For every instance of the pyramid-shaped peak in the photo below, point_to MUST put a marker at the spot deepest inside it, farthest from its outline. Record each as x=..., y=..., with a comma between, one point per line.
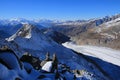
x=24, y=32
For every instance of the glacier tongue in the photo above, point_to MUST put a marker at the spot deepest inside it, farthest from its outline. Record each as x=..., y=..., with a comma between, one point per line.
x=106, y=54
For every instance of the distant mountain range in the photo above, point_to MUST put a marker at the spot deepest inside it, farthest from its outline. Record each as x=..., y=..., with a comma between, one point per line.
x=49, y=23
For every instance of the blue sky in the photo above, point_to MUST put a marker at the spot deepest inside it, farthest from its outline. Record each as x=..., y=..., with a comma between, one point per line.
x=58, y=9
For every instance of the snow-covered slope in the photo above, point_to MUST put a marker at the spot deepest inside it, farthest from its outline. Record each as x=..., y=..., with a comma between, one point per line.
x=8, y=29
x=22, y=69
x=39, y=44
x=23, y=32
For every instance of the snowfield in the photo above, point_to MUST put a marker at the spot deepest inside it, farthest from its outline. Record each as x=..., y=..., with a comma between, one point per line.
x=103, y=53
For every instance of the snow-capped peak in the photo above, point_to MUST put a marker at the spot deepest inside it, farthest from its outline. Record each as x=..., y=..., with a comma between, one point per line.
x=23, y=32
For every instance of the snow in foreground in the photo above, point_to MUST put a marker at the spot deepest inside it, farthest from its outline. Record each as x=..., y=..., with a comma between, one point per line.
x=48, y=66
x=106, y=54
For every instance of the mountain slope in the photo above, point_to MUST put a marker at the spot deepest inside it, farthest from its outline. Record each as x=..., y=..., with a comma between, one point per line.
x=31, y=40
x=99, y=32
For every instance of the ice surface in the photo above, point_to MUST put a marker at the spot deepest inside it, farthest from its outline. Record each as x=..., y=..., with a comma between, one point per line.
x=104, y=53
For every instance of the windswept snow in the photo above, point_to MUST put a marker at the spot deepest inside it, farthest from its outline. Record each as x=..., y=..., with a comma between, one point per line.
x=106, y=54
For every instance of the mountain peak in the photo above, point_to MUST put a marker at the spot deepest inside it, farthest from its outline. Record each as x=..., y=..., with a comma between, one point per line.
x=24, y=32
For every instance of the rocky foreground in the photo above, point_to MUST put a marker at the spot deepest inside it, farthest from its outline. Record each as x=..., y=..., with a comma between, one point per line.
x=29, y=67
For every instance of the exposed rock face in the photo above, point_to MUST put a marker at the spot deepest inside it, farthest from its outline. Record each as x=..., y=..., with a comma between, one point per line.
x=55, y=63
x=34, y=61
x=24, y=32
x=47, y=57
x=4, y=48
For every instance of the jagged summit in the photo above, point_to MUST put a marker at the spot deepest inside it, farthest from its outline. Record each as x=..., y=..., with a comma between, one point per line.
x=24, y=32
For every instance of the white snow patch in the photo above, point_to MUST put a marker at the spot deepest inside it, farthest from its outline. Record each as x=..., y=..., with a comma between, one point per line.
x=104, y=53
x=48, y=66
